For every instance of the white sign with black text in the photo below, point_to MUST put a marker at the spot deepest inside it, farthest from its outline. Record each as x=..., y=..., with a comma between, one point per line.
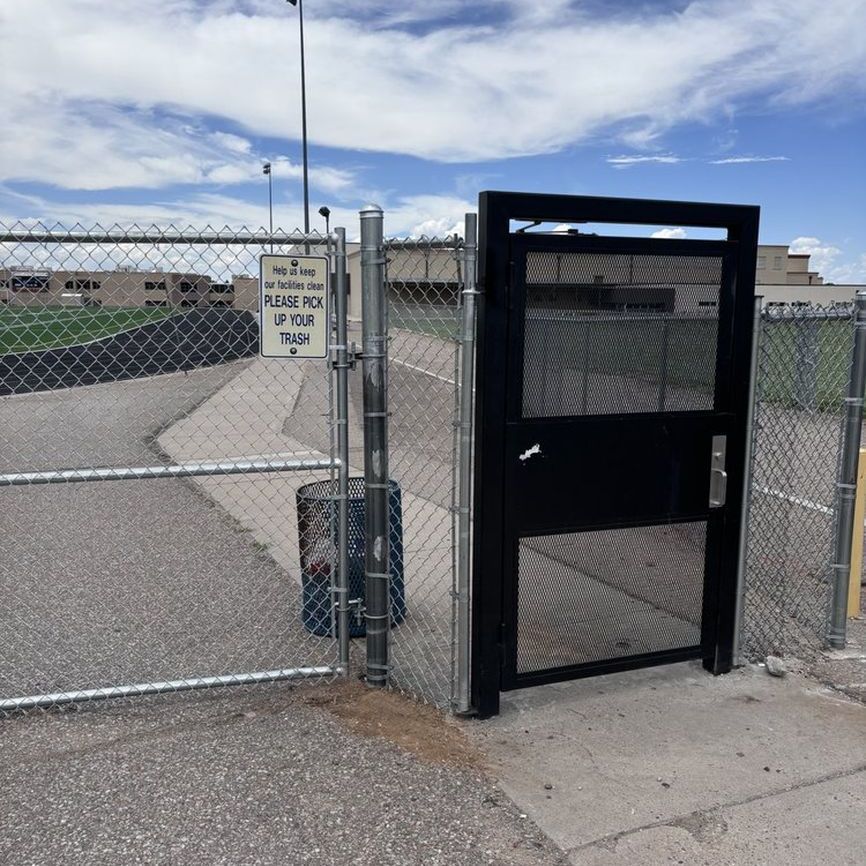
x=294, y=296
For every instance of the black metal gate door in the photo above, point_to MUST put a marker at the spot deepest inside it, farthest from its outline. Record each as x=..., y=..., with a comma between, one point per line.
x=612, y=397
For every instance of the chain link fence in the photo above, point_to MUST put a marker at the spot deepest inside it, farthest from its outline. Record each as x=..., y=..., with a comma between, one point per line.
x=804, y=364
x=128, y=358
x=424, y=285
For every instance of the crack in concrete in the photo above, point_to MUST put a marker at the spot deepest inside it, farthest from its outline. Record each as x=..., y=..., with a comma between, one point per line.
x=700, y=823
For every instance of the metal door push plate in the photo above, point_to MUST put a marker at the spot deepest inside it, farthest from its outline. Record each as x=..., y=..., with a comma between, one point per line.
x=718, y=475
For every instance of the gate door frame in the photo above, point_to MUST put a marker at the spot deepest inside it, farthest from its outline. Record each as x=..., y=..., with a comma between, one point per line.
x=494, y=565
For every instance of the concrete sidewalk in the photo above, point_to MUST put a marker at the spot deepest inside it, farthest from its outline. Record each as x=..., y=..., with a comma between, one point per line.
x=673, y=765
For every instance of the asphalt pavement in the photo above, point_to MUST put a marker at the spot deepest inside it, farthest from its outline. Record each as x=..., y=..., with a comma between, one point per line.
x=263, y=776
x=124, y=582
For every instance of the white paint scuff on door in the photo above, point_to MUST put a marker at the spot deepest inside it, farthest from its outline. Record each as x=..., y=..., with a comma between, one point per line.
x=535, y=449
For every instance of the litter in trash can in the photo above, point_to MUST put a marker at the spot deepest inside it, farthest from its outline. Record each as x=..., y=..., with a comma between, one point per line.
x=318, y=525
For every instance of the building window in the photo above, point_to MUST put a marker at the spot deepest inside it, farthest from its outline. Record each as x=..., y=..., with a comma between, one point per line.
x=152, y=303
x=777, y=263
x=154, y=287
x=221, y=303
x=762, y=262
x=222, y=288
x=30, y=282
x=186, y=302
x=186, y=287
x=708, y=303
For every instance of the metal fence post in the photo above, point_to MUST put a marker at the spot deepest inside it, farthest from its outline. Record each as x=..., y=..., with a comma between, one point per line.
x=464, y=461
x=341, y=365
x=375, y=352
x=847, y=480
x=747, y=481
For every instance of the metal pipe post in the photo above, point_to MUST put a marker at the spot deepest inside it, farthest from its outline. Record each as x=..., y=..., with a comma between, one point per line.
x=375, y=358
x=271, y=204
x=341, y=365
x=747, y=480
x=304, y=122
x=846, y=484
x=464, y=460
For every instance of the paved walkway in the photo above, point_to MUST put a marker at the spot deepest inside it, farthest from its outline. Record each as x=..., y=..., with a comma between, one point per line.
x=671, y=765
x=274, y=407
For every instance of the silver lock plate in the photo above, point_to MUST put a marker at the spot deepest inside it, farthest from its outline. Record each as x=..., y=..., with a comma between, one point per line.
x=718, y=475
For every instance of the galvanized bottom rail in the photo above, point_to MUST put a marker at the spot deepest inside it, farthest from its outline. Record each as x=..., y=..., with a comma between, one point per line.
x=80, y=696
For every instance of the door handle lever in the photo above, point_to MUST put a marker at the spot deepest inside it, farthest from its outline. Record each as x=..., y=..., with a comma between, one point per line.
x=718, y=475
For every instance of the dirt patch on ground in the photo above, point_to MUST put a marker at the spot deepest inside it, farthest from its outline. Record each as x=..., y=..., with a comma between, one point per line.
x=417, y=728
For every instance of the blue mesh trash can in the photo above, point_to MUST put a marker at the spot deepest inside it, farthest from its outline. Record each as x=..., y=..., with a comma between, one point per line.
x=318, y=525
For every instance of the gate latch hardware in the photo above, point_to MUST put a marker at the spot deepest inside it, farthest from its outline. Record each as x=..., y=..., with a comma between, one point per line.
x=353, y=355
x=718, y=475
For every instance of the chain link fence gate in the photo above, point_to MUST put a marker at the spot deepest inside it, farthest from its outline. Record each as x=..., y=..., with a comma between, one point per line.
x=804, y=364
x=431, y=346
x=129, y=358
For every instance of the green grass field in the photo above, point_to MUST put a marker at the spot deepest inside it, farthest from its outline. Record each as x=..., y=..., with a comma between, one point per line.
x=25, y=330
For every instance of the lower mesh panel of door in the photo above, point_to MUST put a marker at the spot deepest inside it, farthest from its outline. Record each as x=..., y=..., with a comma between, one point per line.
x=605, y=594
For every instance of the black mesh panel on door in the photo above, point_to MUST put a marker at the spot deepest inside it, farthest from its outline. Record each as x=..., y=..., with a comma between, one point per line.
x=610, y=333
x=604, y=594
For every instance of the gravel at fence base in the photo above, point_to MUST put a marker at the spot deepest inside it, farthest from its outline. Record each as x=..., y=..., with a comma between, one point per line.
x=255, y=777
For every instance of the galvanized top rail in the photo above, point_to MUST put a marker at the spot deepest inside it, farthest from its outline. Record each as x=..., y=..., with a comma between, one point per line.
x=793, y=312
x=454, y=242
x=156, y=236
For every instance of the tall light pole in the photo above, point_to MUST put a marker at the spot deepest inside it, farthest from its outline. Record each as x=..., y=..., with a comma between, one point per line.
x=266, y=169
x=300, y=5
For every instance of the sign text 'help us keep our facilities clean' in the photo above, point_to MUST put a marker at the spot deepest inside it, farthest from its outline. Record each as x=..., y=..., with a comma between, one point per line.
x=293, y=306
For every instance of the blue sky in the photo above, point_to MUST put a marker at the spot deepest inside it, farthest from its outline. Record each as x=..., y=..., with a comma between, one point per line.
x=162, y=112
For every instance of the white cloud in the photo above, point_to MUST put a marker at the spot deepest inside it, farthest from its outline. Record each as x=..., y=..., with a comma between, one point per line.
x=675, y=233
x=93, y=146
x=823, y=256
x=831, y=261
x=543, y=77
x=733, y=160
x=405, y=216
x=234, y=143
x=629, y=161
